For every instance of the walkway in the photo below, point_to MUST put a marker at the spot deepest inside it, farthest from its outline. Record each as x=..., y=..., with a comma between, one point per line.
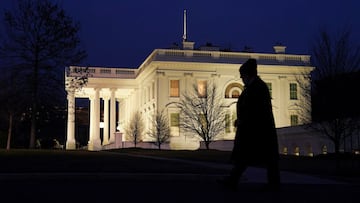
x=169, y=187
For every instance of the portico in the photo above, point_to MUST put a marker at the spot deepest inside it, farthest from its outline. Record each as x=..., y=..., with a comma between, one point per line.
x=98, y=91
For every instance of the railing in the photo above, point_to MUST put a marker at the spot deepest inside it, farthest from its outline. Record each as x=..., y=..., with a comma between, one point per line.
x=304, y=59
x=173, y=54
x=103, y=72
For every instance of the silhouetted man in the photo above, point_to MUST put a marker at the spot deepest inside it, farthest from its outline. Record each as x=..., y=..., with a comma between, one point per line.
x=255, y=141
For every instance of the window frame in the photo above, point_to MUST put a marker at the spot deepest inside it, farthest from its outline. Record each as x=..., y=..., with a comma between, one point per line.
x=294, y=120
x=202, y=94
x=173, y=89
x=269, y=85
x=293, y=91
x=174, y=122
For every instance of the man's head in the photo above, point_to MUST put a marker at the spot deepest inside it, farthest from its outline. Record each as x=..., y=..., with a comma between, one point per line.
x=248, y=70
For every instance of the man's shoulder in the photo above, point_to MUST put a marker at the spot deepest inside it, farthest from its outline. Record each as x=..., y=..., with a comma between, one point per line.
x=260, y=87
x=260, y=82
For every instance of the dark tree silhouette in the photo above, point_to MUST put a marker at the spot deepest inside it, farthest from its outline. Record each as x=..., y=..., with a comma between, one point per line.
x=11, y=100
x=39, y=41
x=334, y=113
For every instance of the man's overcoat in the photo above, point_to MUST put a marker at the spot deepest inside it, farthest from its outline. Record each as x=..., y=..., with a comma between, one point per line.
x=256, y=139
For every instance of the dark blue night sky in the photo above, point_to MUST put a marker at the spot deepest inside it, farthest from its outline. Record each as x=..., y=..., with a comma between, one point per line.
x=122, y=33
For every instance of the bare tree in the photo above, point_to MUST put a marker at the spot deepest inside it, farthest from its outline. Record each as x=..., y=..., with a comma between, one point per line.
x=334, y=54
x=304, y=105
x=40, y=40
x=160, y=130
x=334, y=57
x=202, y=113
x=135, y=128
x=77, y=78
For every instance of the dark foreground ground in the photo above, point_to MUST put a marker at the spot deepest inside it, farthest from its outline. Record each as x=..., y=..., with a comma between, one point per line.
x=147, y=176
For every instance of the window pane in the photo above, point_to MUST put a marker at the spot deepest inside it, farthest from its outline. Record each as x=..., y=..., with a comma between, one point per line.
x=270, y=88
x=227, y=123
x=233, y=90
x=174, y=88
x=235, y=94
x=202, y=86
x=294, y=120
x=293, y=91
x=174, y=119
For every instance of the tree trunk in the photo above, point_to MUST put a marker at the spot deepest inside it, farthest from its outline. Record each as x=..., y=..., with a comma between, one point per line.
x=337, y=147
x=337, y=156
x=8, y=143
x=34, y=99
x=33, y=126
x=207, y=145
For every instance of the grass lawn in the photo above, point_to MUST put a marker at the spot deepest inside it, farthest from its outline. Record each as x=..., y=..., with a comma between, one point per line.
x=42, y=161
x=119, y=161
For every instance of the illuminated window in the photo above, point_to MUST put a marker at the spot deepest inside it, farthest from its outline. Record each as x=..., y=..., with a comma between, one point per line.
x=293, y=91
x=174, y=119
x=235, y=93
x=174, y=88
x=233, y=90
x=285, y=150
x=227, y=123
x=324, y=149
x=202, y=87
x=270, y=88
x=294, y=120
x=297, y=151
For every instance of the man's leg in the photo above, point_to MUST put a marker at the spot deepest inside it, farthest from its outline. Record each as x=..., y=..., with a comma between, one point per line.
x=232, y=180
x=237, y=171
x=273, y=174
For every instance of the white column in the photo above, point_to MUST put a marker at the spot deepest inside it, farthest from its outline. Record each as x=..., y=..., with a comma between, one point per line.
x=95, y=142
x=283, y=93
x=119, y=127
x=112, y=116
x=70, y=140
x=106, y=121
x=91, y=125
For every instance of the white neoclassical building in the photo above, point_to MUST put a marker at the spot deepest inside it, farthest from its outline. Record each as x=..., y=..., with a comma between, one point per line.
x=115, y=94
x=166, y=73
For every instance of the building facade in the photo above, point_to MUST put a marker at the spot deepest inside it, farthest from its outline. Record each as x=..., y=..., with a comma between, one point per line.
x=116, y=93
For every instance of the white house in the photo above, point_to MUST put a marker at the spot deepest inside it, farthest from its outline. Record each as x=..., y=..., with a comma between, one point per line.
x=167, y=73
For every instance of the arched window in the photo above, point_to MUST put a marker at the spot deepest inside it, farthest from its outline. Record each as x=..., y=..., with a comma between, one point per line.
x=234, y=93
x=233, y=90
